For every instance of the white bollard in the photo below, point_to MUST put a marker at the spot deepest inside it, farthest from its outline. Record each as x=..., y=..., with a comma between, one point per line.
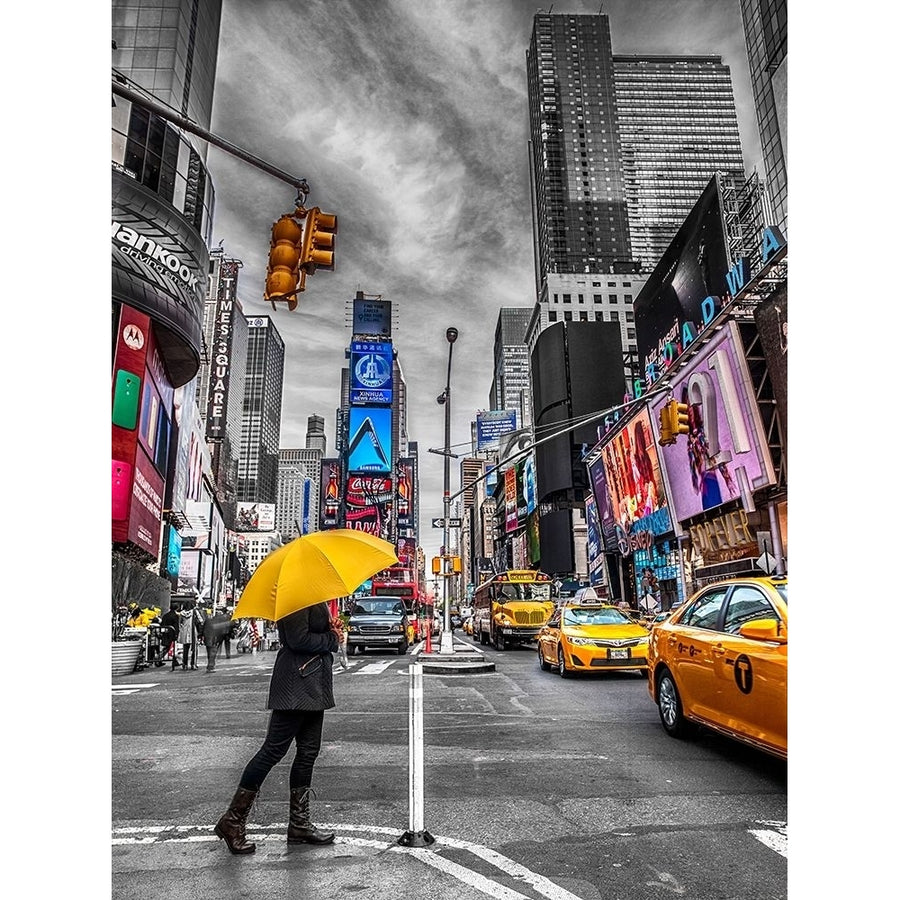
x=417, y=836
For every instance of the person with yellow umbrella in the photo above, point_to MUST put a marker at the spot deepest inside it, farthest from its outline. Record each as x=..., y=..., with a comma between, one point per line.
x=291, y=587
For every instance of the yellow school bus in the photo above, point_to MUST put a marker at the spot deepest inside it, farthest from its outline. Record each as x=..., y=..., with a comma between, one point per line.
x=512, y=607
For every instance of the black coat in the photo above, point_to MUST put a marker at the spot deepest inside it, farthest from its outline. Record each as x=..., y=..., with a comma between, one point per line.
x=305, y=637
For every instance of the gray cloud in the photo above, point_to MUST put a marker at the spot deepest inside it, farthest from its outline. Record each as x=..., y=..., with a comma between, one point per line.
x=410, y=121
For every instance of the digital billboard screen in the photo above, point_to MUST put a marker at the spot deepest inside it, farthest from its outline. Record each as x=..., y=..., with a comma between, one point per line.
x=491, y=425
x=371, y=372
x=686, y=289
x=633, y=478
x=369, y=502
x=724, y=455
x=369, y=442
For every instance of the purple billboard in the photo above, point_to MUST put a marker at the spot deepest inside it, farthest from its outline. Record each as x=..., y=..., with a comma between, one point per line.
x=724, y=456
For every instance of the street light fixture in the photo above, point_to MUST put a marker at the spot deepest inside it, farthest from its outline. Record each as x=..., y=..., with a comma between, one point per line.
x=444, y=400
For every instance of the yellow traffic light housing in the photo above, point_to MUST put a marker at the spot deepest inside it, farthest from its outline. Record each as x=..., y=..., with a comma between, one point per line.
x=317, y=249
x=283, y=275
x=436, y=565
x=678, y=418
x=666, y=437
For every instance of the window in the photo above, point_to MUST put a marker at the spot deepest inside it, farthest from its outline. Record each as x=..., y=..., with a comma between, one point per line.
x=567, y=316
x=704, y=611
x=598, y=298
x=613, y=298
x=747, y=603
x=552, y=315
x=567, y=298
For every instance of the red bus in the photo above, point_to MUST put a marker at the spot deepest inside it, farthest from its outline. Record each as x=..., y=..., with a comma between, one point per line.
x=399, y=581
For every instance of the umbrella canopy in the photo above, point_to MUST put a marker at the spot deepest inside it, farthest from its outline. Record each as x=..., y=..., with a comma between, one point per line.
x=310, y=569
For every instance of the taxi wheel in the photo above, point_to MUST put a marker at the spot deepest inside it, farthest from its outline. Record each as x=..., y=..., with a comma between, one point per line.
x=545, y=666
x=563, y=671
x=671, y=713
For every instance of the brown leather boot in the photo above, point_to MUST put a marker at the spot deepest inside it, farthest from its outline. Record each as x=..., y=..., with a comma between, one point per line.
x=231, y=827
x=300, y=829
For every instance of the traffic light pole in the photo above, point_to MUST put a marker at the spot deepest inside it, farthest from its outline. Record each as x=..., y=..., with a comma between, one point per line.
x=447, y=631
x=165, y=112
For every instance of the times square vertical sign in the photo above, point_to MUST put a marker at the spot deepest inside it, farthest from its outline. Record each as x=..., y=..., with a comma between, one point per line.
x=217, y=400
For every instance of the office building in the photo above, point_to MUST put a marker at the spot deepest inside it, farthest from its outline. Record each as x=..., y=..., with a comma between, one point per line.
x=299, y=483
x=511, y=385
x=261, y=423
x=621, y=148
x=162, y=206
x=765, y=32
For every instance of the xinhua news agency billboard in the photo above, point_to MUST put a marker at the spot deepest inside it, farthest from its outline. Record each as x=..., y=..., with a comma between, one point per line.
x=371, y=372
x=491, y=425
x=724, y=456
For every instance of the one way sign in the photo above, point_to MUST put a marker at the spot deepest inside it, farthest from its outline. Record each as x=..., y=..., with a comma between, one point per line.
x=439, y=523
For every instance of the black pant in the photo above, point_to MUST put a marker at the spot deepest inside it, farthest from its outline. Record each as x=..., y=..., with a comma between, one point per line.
x=286, y=725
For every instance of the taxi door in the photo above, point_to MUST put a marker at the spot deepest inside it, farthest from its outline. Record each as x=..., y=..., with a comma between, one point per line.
x=548, y=637
x=751, y=675
x=689, y=652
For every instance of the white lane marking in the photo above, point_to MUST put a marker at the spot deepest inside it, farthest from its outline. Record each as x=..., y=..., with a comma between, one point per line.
x=166, y=834
x=775, y=838
x=120, y=690
x=375, y=667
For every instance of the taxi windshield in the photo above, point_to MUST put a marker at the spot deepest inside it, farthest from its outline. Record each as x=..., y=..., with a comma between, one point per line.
x=593, y=615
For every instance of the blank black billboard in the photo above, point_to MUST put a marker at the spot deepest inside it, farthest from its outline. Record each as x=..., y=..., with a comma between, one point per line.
x=557, y=553
x=693, y=268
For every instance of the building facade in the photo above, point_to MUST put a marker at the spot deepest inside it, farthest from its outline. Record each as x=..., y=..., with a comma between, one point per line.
x=765, y=33
x=261, y=421
x=511, y=384
x=162, y=207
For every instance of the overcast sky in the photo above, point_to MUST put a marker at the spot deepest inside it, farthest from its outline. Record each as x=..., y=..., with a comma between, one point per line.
x=409, y=119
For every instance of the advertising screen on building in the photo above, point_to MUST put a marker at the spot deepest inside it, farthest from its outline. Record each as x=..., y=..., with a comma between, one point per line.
x=372, y=316
x=406, y=499
x=509, y=484
x=686, y=289
x=330, y=493
x=594, y=547
x=369, y=441
x=491, y=424
x=634, y=480
x=254, y=517
x=369, y=504
x=724, y=456
x=371, y=372
x=604, y=510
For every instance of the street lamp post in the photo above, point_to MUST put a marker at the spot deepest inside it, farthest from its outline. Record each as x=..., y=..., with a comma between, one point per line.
x=447, y=632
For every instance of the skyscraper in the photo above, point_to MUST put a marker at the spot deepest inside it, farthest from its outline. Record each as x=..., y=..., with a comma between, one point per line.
x=511, y=385
x=765, y=32
x=621, y=148
x=261, y=424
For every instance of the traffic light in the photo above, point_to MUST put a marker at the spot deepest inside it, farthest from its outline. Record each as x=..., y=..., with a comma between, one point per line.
x=666, y=436
x=317, y=249
x=283, y=274
x=678, y=418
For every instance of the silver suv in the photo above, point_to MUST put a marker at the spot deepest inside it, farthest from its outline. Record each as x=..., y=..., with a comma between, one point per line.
x=378, y=622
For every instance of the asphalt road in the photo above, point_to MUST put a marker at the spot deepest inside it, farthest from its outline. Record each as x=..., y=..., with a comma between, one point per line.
x=535, y=787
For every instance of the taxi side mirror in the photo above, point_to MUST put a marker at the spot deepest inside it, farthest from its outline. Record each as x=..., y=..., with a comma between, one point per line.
x=764, y=630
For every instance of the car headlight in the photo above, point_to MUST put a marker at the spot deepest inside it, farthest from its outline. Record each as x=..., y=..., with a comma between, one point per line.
x=582, y=642
x=396, y=629
x=353, y=629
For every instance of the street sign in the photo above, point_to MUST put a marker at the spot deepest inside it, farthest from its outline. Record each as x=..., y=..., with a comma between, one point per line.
x=437, y=523
x=453, y=523
x=456, y=523
x=767, y=563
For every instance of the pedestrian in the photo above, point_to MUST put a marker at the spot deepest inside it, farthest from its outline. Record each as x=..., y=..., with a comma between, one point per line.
x=189, y=621
x=300, y=691
x=169, y=634
x=215, y=629
x=649, y=592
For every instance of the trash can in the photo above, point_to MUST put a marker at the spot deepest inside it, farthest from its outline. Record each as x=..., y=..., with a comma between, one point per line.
x=125, y=655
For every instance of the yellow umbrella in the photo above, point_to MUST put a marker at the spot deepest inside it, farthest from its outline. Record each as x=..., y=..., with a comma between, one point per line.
x=310, y=569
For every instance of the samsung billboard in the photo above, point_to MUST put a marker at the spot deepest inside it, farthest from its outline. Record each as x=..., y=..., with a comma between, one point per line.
x=369, y=443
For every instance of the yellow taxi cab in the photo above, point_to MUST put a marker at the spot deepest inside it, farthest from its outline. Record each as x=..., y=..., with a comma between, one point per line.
x=585, y=636
x=720, y=661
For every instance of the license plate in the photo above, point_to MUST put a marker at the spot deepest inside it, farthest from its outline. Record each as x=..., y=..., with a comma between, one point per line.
x=618, y=654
